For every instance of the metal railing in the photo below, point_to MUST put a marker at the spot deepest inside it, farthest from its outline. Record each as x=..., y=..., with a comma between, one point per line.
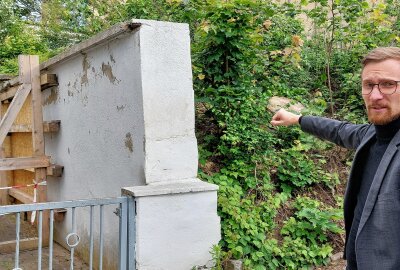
x=125, y=211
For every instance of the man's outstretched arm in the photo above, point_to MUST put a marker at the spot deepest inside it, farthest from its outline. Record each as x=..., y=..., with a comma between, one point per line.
x=341, y=133
x=285, y=118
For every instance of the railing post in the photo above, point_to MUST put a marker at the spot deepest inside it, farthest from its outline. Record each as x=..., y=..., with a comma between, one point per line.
x=131, y=232
x=123, y=234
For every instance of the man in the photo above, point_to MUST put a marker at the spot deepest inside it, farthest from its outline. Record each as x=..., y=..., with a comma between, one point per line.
x=372, y=198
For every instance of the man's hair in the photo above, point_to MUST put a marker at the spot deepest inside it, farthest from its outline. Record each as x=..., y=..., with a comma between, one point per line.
x=381, y=54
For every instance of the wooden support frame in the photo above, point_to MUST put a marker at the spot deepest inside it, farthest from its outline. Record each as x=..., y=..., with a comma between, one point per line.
x=53, y=170
x=7, y=164
x=4, y=181
x=48, y=127
x=12, y=112
x=21, y=196
x=37, y=135
x=29, y=81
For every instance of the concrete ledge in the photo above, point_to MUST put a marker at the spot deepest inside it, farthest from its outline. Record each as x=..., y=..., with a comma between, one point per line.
x=175, y=187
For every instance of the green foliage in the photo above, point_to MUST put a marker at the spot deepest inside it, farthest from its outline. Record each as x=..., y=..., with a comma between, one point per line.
x=297, y=167
x=305, y=234
x=244, y=52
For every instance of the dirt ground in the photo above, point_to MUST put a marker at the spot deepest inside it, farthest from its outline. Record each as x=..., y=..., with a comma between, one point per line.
x=334, y=265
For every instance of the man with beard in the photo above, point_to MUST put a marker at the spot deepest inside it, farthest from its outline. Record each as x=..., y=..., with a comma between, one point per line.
x=372, y=198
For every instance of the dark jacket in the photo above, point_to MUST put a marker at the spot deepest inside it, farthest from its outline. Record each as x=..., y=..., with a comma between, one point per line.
x=378, y=235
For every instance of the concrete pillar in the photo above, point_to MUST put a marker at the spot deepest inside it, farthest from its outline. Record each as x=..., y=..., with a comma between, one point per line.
x=176, y=225
x=176, y=222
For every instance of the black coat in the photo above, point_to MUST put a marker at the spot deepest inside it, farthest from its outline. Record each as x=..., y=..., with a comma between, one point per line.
x=378, y=236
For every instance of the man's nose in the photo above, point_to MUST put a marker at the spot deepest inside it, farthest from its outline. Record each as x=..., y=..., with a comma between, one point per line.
x=375, y=93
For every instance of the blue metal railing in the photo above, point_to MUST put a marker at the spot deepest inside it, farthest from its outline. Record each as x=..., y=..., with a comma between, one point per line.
x=126, y=213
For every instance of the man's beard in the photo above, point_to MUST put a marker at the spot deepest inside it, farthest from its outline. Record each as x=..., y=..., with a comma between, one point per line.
x=382, y=119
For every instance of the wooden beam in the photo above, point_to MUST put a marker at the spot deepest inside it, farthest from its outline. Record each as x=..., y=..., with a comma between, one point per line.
x=46, y=81
x=24, y=244
x=90, y=43
x=20, y=163
x=38, y=138
x=13, y=110
x=4, y=181
x=9, y=83
x=21, y=196
x=53, y=170
x=5, y=77
x=48, y=127
x=9, y=93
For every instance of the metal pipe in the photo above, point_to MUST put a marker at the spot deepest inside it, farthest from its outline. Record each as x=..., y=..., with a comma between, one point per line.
x=17, y=231
x=73, y=231
x=40, y=239
x=51, y=239
x=101, y=238
x=91, y=238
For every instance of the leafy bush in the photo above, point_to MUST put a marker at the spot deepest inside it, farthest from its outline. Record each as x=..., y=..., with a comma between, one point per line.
x=244, y=52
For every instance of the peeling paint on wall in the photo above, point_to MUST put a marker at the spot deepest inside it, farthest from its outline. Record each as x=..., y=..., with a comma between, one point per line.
x=53, y=97
x=85, y=68
x=129, y=142
x=107, y=70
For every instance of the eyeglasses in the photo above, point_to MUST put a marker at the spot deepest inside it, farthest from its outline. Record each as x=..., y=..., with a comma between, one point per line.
x=387, y=87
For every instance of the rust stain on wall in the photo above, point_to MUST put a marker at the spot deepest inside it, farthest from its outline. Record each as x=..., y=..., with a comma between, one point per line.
x=107, y=70
x=129, y=142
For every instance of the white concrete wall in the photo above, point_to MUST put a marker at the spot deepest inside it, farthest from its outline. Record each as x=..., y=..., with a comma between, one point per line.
x=168, y=102
x=101, y=142
x=126, y=105
x=177, y=224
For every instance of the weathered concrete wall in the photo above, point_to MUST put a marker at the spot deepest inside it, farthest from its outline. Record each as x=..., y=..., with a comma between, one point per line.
x=101, y=142
x=126, y=105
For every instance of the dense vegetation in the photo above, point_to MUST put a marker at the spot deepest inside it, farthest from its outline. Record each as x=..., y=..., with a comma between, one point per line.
x=280, y=189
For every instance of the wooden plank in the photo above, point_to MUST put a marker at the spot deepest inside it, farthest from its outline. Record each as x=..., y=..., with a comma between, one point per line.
x=7, y=164
x=9, y=83
x=48, y=80
x=48, y=127
x=24, y=244
x=10, y=93
x=38, y=138
x=53, y=170
x=5, y=77
x=21, y=196
x=4, y=182
x=12, y=112
x=84, y=46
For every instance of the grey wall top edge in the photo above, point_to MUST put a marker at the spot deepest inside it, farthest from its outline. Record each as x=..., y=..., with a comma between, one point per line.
x=90, y=43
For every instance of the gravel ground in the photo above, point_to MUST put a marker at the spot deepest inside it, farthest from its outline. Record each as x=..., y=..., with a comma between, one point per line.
x=337, y=263
x=7, y=225
x=28, y=260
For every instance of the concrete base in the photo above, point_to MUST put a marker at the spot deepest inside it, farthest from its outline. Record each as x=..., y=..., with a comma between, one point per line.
x=176, y=224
